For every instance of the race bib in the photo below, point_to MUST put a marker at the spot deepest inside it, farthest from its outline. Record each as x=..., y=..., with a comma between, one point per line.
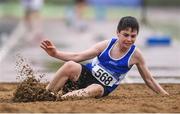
x=103, y=76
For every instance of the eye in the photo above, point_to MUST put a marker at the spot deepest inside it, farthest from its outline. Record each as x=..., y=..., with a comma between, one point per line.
x=125, y=35
x=133, y=36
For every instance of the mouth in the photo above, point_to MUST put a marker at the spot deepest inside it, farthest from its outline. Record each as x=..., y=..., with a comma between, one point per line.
x=128, y=44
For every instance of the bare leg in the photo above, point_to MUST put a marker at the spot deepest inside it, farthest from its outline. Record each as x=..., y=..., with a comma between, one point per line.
x=94, y=90
x=70, y=70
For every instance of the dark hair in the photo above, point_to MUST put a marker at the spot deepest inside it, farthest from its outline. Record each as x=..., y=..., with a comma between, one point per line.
x=128, y=22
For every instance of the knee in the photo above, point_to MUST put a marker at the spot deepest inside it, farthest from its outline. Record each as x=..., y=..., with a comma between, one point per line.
x=99, y=89
x=70, y=66
x=95, y=90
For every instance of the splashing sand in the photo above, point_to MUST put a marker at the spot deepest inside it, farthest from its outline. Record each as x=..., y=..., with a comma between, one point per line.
x=30, y=89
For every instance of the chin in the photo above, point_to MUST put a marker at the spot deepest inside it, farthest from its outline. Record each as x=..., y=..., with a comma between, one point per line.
x=127, y=46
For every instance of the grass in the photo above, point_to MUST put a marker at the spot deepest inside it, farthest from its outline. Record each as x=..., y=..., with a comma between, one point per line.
x=11, y=9
x=60, y=11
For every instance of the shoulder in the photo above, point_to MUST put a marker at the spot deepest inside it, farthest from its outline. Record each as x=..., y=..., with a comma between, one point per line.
x=101, y=45
x=138, y=56
x=107, y=42
x=98, y=47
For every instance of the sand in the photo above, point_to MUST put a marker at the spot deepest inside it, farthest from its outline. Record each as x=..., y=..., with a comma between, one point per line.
x=126, y=98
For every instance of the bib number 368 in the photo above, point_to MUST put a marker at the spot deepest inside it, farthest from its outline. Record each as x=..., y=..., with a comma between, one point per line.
x=104, y=77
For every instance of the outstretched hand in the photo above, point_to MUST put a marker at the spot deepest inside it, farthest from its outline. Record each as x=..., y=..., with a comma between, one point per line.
x=49, y=47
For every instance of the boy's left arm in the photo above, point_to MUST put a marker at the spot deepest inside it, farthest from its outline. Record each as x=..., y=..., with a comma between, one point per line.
x=147, y=77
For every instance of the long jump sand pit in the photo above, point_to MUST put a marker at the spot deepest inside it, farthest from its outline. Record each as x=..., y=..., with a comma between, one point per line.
x=126, y=98
x=29, y=95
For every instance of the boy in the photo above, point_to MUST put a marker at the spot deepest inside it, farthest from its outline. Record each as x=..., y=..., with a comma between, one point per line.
x=112, y=60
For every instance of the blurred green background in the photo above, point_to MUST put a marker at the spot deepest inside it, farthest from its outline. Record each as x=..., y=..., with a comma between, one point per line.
x=57, y=9
x=158, y=15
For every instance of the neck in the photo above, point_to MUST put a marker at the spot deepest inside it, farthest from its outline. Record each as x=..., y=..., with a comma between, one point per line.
x=122, y=48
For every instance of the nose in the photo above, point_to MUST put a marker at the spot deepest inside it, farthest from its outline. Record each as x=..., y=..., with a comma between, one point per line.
x=129, y=38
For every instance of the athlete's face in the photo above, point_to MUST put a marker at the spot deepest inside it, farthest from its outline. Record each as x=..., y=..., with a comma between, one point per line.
x=127, y=37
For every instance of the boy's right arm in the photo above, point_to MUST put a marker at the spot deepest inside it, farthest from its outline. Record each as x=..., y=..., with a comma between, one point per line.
x=50, y=48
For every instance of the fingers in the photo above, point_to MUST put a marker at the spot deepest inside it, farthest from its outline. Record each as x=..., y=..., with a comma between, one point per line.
x=43, y=47
x=46, y=44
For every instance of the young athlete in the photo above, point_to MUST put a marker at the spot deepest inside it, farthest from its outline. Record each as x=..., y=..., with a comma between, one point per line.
x=112, y=59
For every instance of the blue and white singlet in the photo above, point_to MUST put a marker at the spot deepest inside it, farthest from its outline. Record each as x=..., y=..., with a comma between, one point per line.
x=110, y=71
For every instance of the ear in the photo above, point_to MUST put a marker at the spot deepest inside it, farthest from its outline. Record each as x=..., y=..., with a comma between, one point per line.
x=117, y=32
